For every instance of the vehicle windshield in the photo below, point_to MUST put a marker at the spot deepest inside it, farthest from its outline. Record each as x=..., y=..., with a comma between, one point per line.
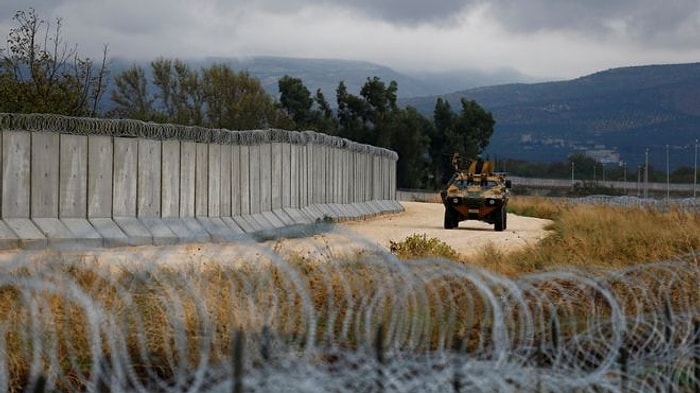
x=475, y=182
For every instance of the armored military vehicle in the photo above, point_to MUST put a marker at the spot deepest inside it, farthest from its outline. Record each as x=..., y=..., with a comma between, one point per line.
x=476, y=192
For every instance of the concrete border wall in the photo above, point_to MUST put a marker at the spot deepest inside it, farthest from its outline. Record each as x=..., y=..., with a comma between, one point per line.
x=102, y=182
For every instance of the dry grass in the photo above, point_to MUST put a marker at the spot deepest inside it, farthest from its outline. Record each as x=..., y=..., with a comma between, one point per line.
x=596, y=237
x=154, y=308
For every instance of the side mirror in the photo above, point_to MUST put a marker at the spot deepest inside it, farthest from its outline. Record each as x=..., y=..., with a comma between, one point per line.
x=508, y=184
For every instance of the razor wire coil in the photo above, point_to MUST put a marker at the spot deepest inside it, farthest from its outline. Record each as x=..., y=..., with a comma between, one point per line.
x=140, y=129
x=444, y=326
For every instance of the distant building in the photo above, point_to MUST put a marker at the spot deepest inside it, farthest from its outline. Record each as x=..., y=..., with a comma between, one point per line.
x=604, y=156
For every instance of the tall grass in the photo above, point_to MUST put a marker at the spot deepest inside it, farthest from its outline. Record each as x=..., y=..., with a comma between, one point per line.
x=167, y=321
x=599, y=236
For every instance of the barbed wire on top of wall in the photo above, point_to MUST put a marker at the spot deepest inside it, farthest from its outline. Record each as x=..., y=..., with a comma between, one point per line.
x=149, y=130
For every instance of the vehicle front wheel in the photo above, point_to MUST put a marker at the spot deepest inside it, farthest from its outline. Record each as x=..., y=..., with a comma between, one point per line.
x=499, y=220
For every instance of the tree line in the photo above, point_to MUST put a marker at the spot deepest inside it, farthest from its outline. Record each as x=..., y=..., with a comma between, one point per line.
x=41, y=73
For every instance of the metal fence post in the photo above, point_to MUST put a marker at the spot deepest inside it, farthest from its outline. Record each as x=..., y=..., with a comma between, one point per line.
x=379, y=348
x=237, y=361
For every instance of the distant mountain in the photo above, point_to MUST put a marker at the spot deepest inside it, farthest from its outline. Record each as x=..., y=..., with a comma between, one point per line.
x=613, y=115
x=326, y=74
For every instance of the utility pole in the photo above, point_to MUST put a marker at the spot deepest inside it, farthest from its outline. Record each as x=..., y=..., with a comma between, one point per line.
x=695, y=177
x=595, y=166
x=602, y=164
x=639, y=179
x=573, y=183
x=646, y=173
x=668, y=176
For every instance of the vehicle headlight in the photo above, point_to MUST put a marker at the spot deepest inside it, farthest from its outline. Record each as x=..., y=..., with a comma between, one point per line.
x=455, y=201
x=492, y=202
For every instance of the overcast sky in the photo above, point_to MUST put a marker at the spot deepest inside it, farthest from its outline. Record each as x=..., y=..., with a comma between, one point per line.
x=551, y=39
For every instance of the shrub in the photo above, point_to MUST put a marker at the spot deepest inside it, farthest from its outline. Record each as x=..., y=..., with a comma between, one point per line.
x=420, y=246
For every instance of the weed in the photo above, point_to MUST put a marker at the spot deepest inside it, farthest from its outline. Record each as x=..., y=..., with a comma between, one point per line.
x=420, y=246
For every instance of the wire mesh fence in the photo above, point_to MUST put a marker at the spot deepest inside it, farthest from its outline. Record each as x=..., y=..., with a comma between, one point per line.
x=251, y=318
x=683, y=204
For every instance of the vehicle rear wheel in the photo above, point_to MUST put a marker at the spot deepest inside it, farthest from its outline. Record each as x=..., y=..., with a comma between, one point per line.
x=499, y=220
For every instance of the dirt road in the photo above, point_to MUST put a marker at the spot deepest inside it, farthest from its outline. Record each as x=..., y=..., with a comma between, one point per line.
x=345, y=238
x=418, y=218
x=427, y=218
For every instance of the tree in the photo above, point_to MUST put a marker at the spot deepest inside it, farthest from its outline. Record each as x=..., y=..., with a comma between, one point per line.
x=352, y=114
x=408, y=133
x=472, y=129
x=441, y=137
x=179, y=93
x=323, y=117
x=40, y=73
x=374, y=118
x=237, y=101
x=380, y=98
x=214, y=97
x=130, y=96
x=296, y=101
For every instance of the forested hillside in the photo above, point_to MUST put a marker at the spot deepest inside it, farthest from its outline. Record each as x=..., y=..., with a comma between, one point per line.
x=623, y=110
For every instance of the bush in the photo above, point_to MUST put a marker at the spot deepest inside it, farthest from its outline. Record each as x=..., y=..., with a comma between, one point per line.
x=420, y=246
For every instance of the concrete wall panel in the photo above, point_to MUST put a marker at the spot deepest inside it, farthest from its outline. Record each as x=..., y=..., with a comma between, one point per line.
x=331, y=175
x=100, y=171
x=290, y=198
x=304, y=180
x=201, y=183
x=148, y=188
x=244, y=177
x=73, y=167
x=188, y=164
x=392, y=180
x=266, y=177
x=254, y=171
x=287, y=174
x=214, y=181
x=376, y=178
x=236, y=189
x=327, y=183
x=339, y=177
x=226, y=195
x=277, y=177
x=125, y=176
x=170, y=179
x=316, y=174
x=16, y=174
x=44, y=183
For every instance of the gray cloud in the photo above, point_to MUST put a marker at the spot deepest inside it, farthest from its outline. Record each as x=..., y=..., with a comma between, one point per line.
x=644, y=18
x=8, y=8
x=397, y=12
x=675, y=22
x=574, y=36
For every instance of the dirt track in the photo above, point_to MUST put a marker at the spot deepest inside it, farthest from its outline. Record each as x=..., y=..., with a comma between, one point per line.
x=427, y=218
x=348, y=237
x=418, y=218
